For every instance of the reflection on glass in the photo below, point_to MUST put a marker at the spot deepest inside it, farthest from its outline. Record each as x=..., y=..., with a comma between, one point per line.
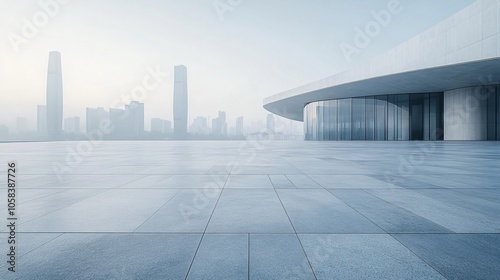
x=383, y=117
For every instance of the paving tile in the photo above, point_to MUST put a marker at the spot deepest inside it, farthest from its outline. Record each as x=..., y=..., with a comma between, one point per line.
x=249, y=211
x=278, y=256
x=187, y=211
x=110, y=256
x=457, y=256
x=189, y=181
x=281, y=182
x=221, y=256
x=119, y=210
x=303, y=182
x=249, y=181
x=455, y=218
x=351, y=181
x=363, y=256
x=388, y=216
x=318, y=211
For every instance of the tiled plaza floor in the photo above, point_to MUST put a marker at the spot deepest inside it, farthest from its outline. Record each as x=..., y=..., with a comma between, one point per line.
x=255, y=210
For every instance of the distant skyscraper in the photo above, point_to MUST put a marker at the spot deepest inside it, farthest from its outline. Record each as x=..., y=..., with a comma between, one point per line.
x=72, y=125
x=94, y=118
x=219, y=124
x=180, y=101
x=135, y=116
x=128, y=123
x=160, y=126
x=200, y=126
x=157, y=125
x=118, y=119
x=239, y=127
x=41, y=119
x=270, y=124
x=54, y=95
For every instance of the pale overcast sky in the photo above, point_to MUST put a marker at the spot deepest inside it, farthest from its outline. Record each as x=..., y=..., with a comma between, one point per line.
x=260, y=48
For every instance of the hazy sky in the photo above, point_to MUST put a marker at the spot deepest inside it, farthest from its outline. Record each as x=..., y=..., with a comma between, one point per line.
x=257, y=49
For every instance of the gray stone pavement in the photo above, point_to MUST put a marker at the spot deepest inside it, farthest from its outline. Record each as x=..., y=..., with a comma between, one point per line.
x=254, y=210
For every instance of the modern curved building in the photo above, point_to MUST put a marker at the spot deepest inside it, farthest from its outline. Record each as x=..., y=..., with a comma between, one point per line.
x=443, y=84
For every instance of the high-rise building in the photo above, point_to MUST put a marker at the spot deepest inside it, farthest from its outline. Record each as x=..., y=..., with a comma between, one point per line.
x=41, y=119
x=180, y=101
x=200, y=126
x=94, y=117
x=157, y=125
x=72, y=125
x=270, y=124
x=219, y=124
x=54, y=95
x=238, y=129
x=118, y=119
x=127, y=123
x=167, y=126
x=160, y=126
x=135, y=118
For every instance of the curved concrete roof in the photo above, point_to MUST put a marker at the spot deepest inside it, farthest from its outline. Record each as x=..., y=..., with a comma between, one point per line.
x=461, y=51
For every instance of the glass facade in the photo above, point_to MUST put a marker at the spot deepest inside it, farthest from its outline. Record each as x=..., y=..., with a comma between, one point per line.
x=383, y=117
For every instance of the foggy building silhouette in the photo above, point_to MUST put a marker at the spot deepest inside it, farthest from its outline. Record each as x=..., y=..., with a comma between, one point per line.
x=94, y=117
x=180, y=101
x=72, y=125
x=54, y=96
x=238, y=129
x=135, y=119
x=127, y=123
x=219, y=124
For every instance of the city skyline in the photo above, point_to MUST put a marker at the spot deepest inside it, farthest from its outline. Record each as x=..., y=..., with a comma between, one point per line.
x=128, y=121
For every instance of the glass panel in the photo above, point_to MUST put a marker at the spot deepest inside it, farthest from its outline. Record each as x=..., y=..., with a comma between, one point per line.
x=491, y=117
x=404, y=106
x=391, y=117
x=426, y=117
x=319, y=116
x=344, y=119
x=498, y=112
x=333, y=119
x=307, y=133
x=436, y=116
x=416, y=117
x=380, y=117
x=314, y=121
x=370, y=118
x=358, y=119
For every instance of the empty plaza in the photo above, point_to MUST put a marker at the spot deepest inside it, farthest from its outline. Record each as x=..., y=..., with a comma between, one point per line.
x=255, y=210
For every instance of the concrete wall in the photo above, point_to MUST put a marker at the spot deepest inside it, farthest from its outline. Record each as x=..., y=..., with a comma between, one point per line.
x=466, y=113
